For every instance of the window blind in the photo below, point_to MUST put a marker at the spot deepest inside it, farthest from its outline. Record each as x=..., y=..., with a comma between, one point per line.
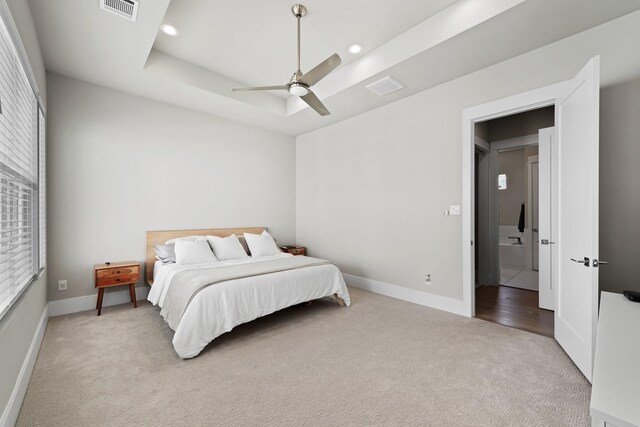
x=19, y=180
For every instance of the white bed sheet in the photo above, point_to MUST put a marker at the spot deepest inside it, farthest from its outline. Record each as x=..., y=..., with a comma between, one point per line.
x=219, y=308
x=156, y=267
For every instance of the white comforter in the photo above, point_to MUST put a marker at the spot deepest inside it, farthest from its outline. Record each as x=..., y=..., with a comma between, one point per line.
x=218, y=309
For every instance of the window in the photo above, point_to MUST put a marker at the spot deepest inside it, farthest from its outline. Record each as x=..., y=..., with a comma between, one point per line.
x=502, y=181
x=22, y=215
x=42, y=190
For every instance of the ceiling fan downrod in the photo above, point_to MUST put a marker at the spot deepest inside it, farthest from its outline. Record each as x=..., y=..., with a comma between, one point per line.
x=298, y=11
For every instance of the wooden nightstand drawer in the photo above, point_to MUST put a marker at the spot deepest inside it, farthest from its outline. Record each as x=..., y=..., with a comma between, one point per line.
x=296, y=251
x=116, y=279
x=117, y=271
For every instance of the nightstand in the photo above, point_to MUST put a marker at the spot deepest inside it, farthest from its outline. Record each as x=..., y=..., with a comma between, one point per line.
x=116, y=274
x=294, y=250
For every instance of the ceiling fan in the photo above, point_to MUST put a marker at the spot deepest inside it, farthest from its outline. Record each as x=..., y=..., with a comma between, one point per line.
x=300, y=83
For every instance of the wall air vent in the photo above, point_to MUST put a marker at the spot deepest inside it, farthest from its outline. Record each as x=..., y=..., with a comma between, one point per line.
x=385, y=86
x=125, y=8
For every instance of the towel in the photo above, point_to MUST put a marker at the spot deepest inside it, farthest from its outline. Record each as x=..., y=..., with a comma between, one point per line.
x=521, y=219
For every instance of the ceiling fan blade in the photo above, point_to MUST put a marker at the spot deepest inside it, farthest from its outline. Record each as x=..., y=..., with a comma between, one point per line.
x=283, y=87
x=312, y=100
x=321, y=70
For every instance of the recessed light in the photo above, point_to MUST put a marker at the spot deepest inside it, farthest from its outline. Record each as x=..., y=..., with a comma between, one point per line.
x=169, y=30
x=355, y=48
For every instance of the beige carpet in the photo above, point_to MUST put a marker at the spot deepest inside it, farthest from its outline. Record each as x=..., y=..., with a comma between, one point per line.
x=379, y=362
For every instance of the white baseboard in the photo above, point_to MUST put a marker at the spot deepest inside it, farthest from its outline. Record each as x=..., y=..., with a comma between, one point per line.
x=11, y=411
x=88, y=302
x=415, y=296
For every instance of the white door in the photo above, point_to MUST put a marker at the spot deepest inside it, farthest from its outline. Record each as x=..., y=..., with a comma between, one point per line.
x=547, y=217
x=577, y=126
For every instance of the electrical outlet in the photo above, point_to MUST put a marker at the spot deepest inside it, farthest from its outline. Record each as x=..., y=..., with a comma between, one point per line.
x=62, y=285
x=427, y=279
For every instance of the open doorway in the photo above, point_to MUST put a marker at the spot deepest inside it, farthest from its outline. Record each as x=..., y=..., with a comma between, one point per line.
x=569, y=224
x=507, y=205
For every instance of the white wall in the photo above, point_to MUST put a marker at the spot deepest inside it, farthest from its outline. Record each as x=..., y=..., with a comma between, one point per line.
x=17, y=330
x=513, y=164
x=120, y=165
x=619, y=191
x=371, y=189
x=19, y=325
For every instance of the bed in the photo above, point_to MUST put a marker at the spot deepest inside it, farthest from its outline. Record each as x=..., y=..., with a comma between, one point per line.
x=241, y=290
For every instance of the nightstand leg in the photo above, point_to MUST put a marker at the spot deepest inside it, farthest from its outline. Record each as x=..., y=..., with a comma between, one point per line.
x=132, y=294
x=99, y=303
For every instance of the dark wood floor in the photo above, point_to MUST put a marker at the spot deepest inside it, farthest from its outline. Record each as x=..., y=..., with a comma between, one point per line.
x=517, y=308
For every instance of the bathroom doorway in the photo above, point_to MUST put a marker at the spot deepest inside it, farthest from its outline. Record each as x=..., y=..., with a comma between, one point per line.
x=508, y=165
x=517, y=208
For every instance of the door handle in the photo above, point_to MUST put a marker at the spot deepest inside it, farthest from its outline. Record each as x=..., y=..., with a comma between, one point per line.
x=546, y=242
x=597, y=262
x=584, y=261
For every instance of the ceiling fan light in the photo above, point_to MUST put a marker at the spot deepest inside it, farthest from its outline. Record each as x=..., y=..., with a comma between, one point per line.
x=298, y=90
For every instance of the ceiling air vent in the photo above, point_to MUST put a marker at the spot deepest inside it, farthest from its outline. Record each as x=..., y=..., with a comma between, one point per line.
x=385, y=86
x=125, y=8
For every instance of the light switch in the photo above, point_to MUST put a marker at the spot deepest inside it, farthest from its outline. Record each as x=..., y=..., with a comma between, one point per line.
x=454, y=210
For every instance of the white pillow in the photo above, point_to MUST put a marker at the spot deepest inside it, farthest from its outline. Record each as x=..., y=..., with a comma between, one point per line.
x=261, y=244
x=187, y=239
x=196, y=252
x=227, y=247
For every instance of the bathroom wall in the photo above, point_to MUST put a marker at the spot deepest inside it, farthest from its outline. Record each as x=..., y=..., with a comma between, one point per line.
x=515, y=161
x=512, y=163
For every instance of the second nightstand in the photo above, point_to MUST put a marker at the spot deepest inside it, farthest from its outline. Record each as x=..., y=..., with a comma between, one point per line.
x=116, y=274
x=294, y=250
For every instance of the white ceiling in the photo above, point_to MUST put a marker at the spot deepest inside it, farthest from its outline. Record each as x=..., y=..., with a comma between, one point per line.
x=254, y=42
x=230, y=43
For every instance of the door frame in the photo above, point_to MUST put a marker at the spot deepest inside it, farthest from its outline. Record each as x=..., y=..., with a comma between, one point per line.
x=531, y=248
x=485, y=270
x=531, y=100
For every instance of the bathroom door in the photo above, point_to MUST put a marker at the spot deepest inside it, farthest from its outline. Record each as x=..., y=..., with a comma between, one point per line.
x=547, y=219
x=577, y=127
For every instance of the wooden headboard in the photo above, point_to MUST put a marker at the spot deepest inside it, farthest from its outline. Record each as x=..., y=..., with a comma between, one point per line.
x=159, y=237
